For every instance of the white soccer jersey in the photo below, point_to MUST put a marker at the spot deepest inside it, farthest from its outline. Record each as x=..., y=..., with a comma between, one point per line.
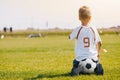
x=87, y=38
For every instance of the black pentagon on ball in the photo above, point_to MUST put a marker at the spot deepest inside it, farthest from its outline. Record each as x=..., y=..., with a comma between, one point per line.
x=88, y=65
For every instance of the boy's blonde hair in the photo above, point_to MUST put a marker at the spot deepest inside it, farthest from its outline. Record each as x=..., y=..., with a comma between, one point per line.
x=84, y=13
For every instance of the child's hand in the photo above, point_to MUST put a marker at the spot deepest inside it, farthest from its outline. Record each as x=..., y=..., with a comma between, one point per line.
x=98, y=56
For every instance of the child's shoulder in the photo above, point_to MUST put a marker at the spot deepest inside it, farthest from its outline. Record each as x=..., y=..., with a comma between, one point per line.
x=77, y=27
x=93, y=27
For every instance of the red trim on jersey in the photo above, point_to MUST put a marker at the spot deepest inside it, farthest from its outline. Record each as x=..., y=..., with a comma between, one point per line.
x=79, y=32
x=92, y=31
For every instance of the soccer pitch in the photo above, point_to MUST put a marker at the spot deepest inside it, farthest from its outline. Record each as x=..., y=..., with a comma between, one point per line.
x=50, y=58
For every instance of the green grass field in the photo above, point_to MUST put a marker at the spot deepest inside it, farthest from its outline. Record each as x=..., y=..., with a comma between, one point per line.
x=50, y=58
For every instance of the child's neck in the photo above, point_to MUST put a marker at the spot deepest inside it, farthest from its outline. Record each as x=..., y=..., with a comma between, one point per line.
x=84, y=24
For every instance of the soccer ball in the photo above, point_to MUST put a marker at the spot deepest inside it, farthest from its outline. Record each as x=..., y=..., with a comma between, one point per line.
x=2, y=36
x=88, y=65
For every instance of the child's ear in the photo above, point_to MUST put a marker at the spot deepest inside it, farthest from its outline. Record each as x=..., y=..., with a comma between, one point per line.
x=79, y=18
x=89, y=17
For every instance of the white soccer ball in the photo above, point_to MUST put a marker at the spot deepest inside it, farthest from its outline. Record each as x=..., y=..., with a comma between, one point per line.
x=2, y=36
x=88, y=65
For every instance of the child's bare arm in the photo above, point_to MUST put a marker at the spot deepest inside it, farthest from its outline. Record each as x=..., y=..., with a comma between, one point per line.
x=99, y=47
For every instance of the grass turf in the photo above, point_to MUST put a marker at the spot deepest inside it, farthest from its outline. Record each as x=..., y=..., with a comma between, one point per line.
x=50, y=58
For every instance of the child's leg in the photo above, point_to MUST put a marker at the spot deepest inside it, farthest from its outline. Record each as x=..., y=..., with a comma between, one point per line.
x=99, y=69
x=76, y=68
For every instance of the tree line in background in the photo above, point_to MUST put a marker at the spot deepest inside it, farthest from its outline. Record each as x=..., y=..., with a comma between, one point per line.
x=53, y=31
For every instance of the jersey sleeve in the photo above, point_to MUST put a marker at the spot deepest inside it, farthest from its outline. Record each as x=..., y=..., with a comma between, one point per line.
x=98, y=39
x=73, y=35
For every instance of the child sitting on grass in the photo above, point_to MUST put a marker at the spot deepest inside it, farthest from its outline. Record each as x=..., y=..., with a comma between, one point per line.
x=87, y=38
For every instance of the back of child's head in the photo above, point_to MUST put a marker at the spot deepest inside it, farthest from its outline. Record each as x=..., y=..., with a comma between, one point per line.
x=84, y=13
